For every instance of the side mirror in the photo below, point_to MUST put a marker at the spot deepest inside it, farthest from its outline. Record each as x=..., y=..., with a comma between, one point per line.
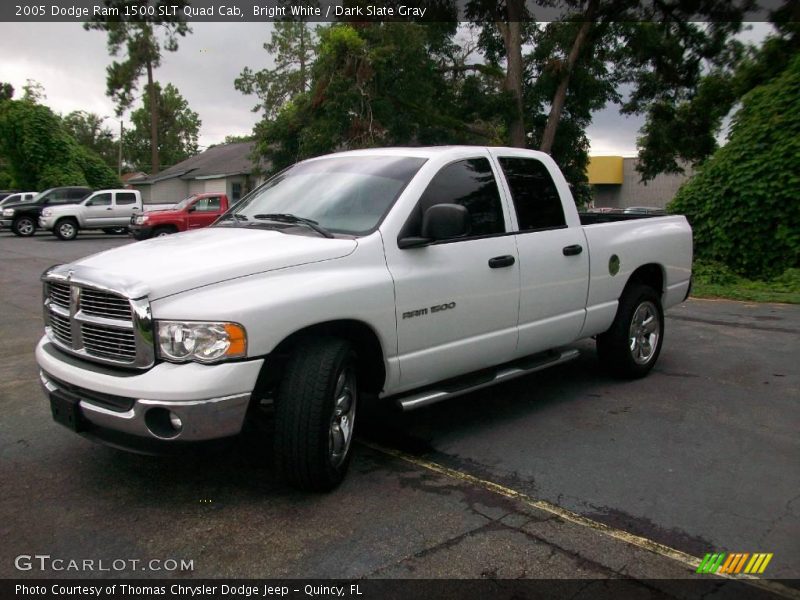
x=445, y=221
x=192, y=208
x=440, y=222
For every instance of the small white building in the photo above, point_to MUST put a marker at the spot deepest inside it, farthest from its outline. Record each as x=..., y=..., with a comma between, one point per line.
x=227, y=169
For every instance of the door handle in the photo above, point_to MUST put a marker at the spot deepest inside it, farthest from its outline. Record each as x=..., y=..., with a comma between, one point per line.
x=573, y=250
x=499, y=262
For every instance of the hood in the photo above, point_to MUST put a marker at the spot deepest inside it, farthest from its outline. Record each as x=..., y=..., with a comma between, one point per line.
x=167, y=265
x=19, y=204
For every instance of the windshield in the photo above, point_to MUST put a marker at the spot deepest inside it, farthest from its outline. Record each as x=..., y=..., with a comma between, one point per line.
x=184, y=203
x=346, y=195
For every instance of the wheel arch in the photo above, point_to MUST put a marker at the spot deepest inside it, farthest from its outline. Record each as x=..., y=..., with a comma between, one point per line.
x=651, y=275
x=365, y=341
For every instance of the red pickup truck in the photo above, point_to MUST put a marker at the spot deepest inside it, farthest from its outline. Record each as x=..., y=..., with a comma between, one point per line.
x=199, y=210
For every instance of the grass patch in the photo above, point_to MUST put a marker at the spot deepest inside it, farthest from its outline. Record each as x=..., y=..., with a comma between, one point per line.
x=715, y=280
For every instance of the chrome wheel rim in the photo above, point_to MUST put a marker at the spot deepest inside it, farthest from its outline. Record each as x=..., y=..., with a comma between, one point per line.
x=67, y=230
x=25, y=227
x=644, y=333
x=162, y=234
x=344, y=412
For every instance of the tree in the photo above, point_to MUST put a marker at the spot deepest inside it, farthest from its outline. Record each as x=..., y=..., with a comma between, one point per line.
x=143, y=50
x=292, y=47
x=41, y=154
x=6, y=91
x=178, y=128
x=742, y=203
x=372, y=84
x=90, y=132
x=33, y=91
x=701, y=104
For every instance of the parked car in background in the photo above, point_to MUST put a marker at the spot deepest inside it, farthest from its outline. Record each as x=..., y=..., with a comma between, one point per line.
x=109, y=210
x=23, y=217
x=197, y=211
x=17, y=197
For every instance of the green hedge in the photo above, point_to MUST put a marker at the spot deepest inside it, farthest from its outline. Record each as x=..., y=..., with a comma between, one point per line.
x=744, y=203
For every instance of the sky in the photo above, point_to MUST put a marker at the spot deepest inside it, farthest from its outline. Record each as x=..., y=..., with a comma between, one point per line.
x=71, y=65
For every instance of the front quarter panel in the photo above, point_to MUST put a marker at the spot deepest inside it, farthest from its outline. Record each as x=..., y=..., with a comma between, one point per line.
x=273, y=305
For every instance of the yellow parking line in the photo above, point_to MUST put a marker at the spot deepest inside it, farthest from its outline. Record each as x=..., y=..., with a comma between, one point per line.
x=629, y=538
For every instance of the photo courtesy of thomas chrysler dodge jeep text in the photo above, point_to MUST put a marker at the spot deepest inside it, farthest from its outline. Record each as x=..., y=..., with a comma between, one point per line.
x=404, y=275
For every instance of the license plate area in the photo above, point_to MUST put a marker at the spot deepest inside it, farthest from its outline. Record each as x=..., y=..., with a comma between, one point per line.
x=67, y=411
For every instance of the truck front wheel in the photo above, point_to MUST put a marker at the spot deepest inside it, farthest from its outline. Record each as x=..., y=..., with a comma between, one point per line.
x=315, y=413
x=24, y=227
x=66, y=229
x=631, y=346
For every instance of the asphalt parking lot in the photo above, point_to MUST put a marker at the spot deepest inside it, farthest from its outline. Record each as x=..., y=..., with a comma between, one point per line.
x=701, y=456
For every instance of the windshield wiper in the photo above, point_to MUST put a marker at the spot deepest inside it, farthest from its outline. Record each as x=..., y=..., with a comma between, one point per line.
x=236, y=216
x=288, y=218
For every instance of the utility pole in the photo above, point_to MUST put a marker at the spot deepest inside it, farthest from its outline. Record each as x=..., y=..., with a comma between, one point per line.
x=119, y=160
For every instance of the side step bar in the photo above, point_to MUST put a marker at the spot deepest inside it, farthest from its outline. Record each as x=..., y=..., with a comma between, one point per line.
x=503, y=373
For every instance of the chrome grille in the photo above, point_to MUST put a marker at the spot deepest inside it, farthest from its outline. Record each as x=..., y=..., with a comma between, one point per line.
x=97, y=323
x=104, y=304
x=108, y=342
x=61, y=328
x=59, y=294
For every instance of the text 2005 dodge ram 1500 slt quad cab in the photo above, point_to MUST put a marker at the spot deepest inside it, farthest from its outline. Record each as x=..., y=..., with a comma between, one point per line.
x=406, y=275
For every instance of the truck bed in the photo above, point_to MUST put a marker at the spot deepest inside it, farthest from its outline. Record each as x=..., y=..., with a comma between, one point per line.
x=588, y=218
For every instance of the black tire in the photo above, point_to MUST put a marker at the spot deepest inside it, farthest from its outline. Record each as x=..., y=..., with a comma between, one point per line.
x=621, y=349
x=304, y=414
x=66, y=229
x=161, y=231
x=24, y=227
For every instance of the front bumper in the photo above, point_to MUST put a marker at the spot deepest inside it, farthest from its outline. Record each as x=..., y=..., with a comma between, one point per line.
x=47, y=222
x=6, y=223
x=211, y=401
x=140, y=232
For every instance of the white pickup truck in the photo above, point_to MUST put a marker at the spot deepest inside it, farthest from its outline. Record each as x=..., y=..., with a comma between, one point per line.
x=406, y=275
x=109, y=210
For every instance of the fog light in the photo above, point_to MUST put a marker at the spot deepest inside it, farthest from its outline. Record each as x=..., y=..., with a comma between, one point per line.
x=163, y=423
x=175, y=421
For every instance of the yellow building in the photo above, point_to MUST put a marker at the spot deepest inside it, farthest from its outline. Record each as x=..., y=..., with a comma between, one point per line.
x=617, y=184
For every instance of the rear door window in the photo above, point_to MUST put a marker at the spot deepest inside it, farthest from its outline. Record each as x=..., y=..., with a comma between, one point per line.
x=536, y=199
x=126, y=198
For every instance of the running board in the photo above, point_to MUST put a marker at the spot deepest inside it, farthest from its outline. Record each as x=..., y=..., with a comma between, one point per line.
x=503, y=373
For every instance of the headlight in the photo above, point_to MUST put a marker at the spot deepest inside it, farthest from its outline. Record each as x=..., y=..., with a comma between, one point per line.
x=140, y=219
x=47, y=212
x=201, y=341
x=8, y=212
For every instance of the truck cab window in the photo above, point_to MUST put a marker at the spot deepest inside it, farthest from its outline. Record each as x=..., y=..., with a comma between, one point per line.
x=126, y=198
x=469, y=183
x=100, y=200
x=535, y=196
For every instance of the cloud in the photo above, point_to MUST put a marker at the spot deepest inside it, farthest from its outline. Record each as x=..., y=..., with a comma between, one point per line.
x=71, y=65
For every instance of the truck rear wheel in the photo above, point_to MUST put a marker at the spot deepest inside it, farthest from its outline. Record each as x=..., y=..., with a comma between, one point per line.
x=66, y=229
x=315, y=413
x=631, y=346
x=24, y=227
